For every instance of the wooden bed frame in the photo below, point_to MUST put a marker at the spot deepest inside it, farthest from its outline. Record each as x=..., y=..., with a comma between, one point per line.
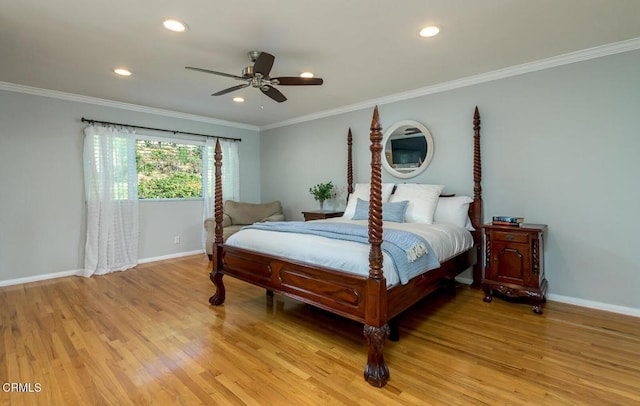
x=363, y=299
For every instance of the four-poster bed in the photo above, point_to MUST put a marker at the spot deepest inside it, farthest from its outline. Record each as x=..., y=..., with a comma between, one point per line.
x=364, y=298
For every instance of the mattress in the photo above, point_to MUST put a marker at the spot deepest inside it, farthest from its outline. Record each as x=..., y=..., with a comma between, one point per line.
x=446, y=240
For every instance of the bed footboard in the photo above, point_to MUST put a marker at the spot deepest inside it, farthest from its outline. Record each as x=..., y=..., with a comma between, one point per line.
x=339, y=292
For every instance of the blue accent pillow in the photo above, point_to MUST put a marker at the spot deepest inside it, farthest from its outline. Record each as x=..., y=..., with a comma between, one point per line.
x=391, y=211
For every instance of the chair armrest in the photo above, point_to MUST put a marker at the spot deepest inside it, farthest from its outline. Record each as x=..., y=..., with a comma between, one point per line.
x=275, y=217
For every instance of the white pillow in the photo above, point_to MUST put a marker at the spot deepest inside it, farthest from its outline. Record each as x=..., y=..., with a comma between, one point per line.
x=453, y=210
x=361, y=190
x=422, y=198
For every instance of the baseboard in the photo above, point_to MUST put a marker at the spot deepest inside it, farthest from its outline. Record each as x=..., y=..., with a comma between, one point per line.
x=37, y=278
x=63, y=274
x=629, y=311
x=466, y=281
x=170, y=256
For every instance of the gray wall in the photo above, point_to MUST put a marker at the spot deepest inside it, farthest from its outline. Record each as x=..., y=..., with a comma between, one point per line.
x=42, y=214
x=559, y=147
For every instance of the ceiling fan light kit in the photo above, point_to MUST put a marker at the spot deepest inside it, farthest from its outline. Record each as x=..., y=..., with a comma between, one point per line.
x=122, y=71
x=429, y=31
x=257, y=76
x=174, y=25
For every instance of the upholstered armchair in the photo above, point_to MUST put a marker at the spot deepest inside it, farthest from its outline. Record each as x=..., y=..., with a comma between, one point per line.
x=237, y=215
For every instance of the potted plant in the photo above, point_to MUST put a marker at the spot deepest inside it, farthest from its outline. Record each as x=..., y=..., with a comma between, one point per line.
x=322, y=192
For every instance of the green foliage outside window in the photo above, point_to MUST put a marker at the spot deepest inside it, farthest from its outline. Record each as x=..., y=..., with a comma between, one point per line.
x=167, y=170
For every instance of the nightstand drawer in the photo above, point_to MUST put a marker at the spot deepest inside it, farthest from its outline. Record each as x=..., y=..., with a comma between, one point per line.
x=510, y=236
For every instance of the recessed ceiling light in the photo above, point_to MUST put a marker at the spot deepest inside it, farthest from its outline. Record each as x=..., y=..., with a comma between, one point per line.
x=238, y=99
x=122, y=72
x=429, y=31
x=306, y=75
x=174, y=25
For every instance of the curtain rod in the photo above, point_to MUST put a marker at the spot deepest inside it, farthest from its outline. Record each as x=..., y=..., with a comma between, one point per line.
x=86, y=120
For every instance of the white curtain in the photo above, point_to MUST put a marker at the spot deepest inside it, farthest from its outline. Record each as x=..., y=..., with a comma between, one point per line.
x=111, y=187
x=230, y=176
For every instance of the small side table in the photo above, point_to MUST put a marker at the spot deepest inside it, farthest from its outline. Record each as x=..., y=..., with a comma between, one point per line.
x=514, y=263
x=321, y=214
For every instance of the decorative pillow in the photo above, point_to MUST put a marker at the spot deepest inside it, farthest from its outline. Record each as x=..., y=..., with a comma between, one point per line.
x=249, y=213
x=453, y=210
x=422, y=198
x=390, y=211
x=361, y=190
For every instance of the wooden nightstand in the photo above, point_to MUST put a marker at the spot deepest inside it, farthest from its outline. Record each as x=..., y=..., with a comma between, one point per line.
x=514, y=262
x=320, y=214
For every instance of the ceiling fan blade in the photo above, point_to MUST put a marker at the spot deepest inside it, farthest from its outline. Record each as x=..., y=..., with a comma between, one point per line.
x=231, y=89
x=263, y=64
x=214, y=72
x=297, y=81
x=274, y=93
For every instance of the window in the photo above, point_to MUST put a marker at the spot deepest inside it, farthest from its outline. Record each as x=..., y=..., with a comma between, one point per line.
x=122, y=165
x=168, y=169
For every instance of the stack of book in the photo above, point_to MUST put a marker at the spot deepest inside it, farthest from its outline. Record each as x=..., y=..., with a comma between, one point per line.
x=507, y=221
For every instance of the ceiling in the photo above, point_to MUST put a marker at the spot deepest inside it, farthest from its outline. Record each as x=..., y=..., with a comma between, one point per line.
x=363, y=49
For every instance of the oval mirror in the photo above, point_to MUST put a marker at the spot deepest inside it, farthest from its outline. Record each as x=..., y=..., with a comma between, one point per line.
x=407, y=149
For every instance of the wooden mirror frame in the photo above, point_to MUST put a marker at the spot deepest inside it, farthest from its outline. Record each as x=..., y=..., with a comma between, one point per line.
x=408, y=172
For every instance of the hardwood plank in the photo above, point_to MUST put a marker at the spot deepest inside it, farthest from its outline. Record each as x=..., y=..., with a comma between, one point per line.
x=149, y=336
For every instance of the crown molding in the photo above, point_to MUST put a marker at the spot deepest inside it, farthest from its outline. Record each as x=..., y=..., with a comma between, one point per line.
x=12, y=87
x=548, y=63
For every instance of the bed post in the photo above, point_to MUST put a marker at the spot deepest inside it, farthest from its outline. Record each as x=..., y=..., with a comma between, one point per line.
x=477, y=206
x=216, y=273
x=376, y=328
x=349, y=164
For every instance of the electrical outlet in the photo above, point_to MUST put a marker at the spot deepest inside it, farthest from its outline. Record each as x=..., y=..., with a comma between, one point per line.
x=176, y=239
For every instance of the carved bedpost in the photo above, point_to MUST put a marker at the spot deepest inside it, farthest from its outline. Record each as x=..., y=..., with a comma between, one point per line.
x=216, y=273
x=218, y=209
x=375, y=200
x=477, y=212
x=349, y=164
x=376, y=328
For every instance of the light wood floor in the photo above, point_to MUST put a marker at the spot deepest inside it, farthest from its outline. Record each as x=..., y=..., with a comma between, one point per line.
x=149, y=336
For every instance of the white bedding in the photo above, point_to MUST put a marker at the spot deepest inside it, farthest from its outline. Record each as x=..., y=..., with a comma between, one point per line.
x=446, y=240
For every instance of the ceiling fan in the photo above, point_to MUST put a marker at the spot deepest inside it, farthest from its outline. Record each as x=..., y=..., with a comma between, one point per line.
x=411, y=131
x=257, y=75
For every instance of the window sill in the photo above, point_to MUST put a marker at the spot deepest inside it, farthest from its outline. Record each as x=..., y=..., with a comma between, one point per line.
x=190, y=199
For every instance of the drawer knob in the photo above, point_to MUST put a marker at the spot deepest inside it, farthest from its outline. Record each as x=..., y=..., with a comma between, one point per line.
x=509, y=237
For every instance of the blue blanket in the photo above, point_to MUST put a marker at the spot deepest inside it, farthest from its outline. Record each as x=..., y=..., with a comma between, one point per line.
x=410, y=253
